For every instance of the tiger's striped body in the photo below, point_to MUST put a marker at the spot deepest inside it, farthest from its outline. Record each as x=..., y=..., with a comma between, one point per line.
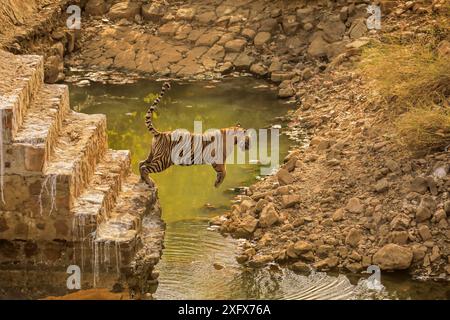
x=166, y=144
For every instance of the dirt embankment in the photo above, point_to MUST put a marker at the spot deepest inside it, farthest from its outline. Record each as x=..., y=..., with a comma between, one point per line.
x=354, y=197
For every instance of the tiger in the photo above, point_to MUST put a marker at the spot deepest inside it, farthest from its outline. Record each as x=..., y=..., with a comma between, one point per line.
x=169, y=143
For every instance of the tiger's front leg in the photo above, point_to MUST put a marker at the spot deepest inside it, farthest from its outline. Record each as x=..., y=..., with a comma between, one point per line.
x=145, y=171
x=221, y=173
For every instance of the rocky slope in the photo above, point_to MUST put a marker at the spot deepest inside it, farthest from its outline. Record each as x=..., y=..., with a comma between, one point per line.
x=354, y=197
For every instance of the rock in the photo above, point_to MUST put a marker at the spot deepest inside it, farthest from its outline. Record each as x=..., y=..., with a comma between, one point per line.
x=248, y=33
x=343, y=14
x=393, y=257
x=419, y=252
x=338, y=215
x=357, y=29
x=249, y=224
x=217, y=266
x=241, y=258
x=424, y=232
x=353, y=237
x=286, y=92
x=419, y=185
x=392, y=165
x=95, y=7
x=169, y=29
x=400, y=222
x=382, y=185
x=302, y=247
x=235, y=45
x=426, y=209
x=305, y=14
x=447, y=207
x=246, y=204
x=153, y=11
x=318, y=48
x=260, y=205
x=124, y=10
x=290, y=25
x=206, y=17
x=53, y=67
x=300, y=267
x=268, y=25
x=259, y=261
x=258, y=69
x=399, y=237
x=243, y=61
x=354, y=205
x=185, y=13
x=269, y=216
x=262, y=38
x=354, y=267
x=281, y=76
x=290, y=200
x=307, y=74
x=333, y=29
x=284, y=177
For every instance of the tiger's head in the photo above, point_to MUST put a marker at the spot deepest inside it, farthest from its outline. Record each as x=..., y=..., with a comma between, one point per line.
x=241, y=137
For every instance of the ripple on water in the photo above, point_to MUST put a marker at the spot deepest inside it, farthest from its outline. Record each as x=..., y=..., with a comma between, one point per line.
x=187, y=272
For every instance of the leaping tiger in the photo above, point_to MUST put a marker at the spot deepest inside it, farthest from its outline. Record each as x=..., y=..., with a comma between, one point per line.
x=167, y=144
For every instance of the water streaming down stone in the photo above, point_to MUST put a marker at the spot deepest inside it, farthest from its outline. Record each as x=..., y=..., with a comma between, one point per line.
x=51, y=180
x=2, y=162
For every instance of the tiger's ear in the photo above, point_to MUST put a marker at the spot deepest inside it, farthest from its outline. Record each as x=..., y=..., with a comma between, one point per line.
x=238, y=125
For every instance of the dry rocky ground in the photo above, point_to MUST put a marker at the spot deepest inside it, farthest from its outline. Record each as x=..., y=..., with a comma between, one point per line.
x=354, y=197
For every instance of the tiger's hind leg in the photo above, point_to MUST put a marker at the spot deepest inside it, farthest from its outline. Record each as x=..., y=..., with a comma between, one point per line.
x=221, y=173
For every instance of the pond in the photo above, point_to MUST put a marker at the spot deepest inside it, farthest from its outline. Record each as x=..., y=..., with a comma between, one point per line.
x=197, y=262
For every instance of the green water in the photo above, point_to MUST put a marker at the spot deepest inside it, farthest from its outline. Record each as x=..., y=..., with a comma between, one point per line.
x=198, y=263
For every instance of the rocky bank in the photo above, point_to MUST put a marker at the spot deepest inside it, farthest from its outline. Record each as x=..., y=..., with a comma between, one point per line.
x=354, y=196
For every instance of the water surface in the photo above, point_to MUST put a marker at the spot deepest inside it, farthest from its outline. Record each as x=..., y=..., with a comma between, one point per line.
x=198, y=263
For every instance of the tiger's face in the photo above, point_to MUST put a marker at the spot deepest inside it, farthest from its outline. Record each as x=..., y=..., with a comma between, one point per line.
x=242, y=138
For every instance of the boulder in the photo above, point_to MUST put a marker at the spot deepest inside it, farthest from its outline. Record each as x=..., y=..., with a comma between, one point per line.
x=124, y=10
x=95, y=7
x=318, y=48
x=262, y=38
x=269, y=216
x=153, y=11
x=290, y=200
x=333, y=29
x=393, y=257
x=353, y=237
x=243, y=61
x=302, y=247
x=284, y=177
x=235, y=45
x=425, y=209
x=354, y=205
x=185, y=14
x=419, y=185
x=53, y=67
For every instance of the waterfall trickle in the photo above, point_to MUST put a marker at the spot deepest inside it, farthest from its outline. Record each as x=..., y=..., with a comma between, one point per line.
x=50, y=179
x=2, y=162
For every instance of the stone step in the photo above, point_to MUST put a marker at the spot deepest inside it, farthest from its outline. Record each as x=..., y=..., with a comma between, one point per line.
x=96, y=203
x=81, y=144
x=90, y=208
x=21, y=78
x=124, y=226
x=34, y=142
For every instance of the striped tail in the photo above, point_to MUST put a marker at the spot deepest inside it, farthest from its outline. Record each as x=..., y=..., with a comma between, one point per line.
x=149, y=115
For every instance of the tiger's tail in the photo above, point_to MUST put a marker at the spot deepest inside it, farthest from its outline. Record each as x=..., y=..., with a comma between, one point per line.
x=149, y=115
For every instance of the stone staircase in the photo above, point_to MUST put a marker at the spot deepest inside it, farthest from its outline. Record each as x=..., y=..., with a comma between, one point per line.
x=68, y=199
